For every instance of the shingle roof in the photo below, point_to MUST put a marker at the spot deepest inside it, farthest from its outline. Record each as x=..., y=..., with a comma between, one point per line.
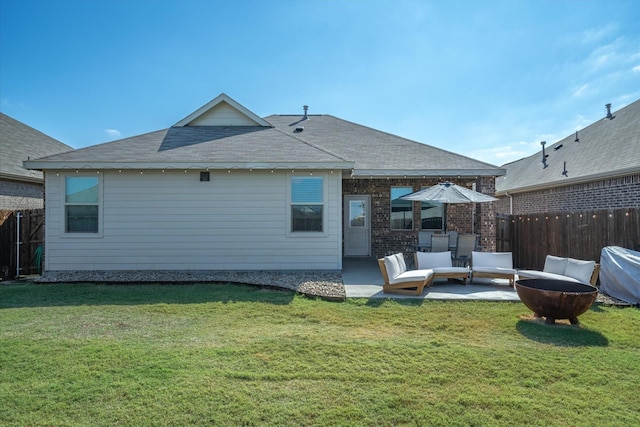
x=18, y=142
x=207, y=146
x=379, y=153
x=325, y=142
x=606, y=148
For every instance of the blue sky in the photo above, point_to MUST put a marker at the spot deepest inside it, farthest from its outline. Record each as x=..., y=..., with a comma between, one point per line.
x=486, y=79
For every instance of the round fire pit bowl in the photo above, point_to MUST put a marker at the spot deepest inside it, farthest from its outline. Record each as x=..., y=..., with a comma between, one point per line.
x=556, y=299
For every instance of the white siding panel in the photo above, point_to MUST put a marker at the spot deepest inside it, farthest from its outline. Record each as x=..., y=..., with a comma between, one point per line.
x=171, y=220
x=223, y=115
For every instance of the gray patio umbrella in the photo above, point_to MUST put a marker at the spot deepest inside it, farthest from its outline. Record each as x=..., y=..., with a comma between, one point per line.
x=447, y=192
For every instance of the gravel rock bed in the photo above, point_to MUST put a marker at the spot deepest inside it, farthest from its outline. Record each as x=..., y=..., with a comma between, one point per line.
x=326, y=285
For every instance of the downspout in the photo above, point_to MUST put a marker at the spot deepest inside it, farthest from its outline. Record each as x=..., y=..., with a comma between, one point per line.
x=510, y=202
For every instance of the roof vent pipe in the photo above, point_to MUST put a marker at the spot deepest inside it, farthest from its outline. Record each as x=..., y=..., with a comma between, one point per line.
x=609, y=115
x=544, y=155
x=305, y=108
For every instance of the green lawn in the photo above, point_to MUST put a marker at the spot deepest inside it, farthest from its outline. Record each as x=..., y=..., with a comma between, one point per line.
x=178, y=355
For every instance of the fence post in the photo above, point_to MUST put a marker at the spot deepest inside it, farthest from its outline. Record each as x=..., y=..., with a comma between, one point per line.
x=18, y=242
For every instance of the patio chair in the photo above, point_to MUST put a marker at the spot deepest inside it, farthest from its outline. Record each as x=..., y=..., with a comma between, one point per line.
x=424, y=240
x=467, y=243
x=453, y=239
x=440, y=243
x=492, y=265
x=399, y=280
x=440, y=263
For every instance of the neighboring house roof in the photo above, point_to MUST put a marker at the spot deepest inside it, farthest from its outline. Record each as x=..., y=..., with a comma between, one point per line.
x=19, y=142
x=225, y=135
x=609, y=147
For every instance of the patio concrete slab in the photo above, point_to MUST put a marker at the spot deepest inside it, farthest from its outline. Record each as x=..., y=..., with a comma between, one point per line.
x=362, y=279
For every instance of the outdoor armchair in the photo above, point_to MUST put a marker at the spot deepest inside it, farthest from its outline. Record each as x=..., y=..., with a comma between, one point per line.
x=568, y=269
x=399, y=280
x=440, y=263
x=492, y=265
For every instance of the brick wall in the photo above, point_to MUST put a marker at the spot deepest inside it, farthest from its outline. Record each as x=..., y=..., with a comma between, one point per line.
x=622, y=192
x=17, y=195
x=459, y=216
x=486, y=215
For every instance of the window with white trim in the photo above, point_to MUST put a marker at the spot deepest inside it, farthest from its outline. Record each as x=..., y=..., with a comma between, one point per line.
x=81, y=204
x=307, y=204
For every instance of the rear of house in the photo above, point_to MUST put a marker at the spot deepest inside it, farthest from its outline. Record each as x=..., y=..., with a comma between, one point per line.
x=224, y=189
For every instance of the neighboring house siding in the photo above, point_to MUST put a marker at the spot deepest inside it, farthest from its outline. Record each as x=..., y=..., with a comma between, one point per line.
x=172, y=221
x=610, y=193
x=17, y=195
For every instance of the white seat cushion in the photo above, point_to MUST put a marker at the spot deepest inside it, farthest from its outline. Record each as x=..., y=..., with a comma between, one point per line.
x=492, y=259
x=401, y=262
x=451, y=270
x=580, y=270
x=393, y=269
x=411, y=276
x=498, y=270
x=535, y=274
x=554, y=264
x=434, y=259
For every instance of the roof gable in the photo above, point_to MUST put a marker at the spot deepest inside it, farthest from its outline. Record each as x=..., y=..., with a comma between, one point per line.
x=222, y=111
x=224, y=135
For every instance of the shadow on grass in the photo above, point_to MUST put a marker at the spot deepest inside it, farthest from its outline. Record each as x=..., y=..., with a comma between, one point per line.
x=409, y=302
x=75, y=294
x=561, y=335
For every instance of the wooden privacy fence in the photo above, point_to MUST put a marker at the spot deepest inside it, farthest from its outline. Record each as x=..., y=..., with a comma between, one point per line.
x=31, y=242
x=580, y=235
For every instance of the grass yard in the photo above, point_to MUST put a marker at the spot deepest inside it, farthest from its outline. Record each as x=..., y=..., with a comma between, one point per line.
x=151, y=355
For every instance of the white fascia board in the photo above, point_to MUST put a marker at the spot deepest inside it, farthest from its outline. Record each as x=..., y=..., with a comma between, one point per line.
x=570, y=181
x=462, y=173
x=23, y=178
x=44, y=165
x=217, y=100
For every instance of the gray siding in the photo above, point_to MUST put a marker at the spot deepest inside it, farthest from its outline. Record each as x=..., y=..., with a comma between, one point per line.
x=172, y=221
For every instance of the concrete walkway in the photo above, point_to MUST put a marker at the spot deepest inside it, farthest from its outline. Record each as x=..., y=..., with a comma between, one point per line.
x=362, y=279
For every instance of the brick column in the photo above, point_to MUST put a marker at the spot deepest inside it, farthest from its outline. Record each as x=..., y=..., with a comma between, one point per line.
x=485, y=224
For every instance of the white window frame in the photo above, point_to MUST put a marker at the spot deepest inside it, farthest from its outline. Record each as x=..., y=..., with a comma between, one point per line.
x=324, y=204
x=64, y=204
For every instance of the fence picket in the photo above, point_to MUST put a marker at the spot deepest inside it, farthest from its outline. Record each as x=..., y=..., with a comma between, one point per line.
x=31, y=236
x=580, y=235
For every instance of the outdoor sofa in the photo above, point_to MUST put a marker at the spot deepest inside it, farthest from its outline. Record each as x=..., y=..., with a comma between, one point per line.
x=399, y=280
x=569, y=269
x=442, y=265
x=492, y=265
